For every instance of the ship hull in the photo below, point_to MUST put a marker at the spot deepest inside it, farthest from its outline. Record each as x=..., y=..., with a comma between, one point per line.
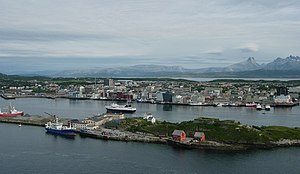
x=120, y=110
x=251, y=105
x=11, y=114
x=61, y=132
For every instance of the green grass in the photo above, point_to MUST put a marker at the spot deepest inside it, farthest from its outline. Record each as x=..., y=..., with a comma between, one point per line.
x=275, y=133
x=216, y=130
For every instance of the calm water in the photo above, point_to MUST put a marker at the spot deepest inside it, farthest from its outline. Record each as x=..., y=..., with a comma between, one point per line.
x=85, y=108
x=30, y=150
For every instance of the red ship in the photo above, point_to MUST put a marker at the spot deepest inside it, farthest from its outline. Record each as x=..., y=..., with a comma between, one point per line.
x=12, y=112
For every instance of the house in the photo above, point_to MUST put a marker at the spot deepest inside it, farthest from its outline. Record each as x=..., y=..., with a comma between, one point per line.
x=84, y=126
x=199, y=136
x=149, y=117
x=179, y=135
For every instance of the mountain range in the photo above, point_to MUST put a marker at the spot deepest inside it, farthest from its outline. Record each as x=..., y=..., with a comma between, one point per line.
x=288, y=67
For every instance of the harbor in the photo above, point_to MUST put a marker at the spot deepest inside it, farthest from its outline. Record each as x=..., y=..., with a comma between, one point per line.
x=82, y=154
x=120, y=128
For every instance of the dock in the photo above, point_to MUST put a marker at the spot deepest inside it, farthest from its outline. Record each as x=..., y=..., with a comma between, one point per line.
x=26, y=120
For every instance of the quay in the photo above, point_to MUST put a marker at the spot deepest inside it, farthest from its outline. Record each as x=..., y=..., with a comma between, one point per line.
x=26, y=120
x=240, y=104
x=237, y=136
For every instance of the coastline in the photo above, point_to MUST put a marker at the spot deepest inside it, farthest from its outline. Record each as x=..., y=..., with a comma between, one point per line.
x=127, y=136
x=124, y=100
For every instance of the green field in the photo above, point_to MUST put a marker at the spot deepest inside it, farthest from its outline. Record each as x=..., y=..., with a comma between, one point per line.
x=226, y=131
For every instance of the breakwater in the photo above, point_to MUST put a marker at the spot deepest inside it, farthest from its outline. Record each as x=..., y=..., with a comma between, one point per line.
x=123, y=135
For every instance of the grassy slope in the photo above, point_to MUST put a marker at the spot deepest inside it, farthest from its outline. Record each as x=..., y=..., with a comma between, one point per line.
x=215, y=130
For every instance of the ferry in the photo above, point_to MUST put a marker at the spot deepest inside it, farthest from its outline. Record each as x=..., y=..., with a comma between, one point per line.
x=58, y=128
x=120, y=108
x=12, y=112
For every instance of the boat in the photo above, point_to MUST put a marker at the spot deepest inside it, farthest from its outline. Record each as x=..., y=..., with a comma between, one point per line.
x=267, y=107
x=198, y=104
x=251, y=105
x=258, y=107
x=220, y=104
x=12, y=112
x=120, y=108
x=58, y=128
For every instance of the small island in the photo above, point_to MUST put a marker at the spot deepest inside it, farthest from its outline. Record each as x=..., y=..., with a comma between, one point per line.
x=200, y=133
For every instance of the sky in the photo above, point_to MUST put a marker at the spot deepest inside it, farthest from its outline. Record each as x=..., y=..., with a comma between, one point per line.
x=42, y=35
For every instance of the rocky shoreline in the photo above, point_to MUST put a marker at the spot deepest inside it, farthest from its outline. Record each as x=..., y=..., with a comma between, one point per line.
x=126, y=136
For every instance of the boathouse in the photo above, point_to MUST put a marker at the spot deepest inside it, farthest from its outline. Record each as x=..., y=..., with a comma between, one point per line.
x=199, y=136
x=178, y=135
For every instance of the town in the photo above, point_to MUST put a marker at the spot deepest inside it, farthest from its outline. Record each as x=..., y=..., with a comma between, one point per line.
x=203, y=133
x=156, y=90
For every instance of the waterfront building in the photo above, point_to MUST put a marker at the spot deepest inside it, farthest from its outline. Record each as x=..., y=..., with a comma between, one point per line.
x=81, y=91
x=199, y=136
x=282, y=99
x=74, y=94
x=167, y=96
x=282, y=91
x=177, y=99
x=178, y=135
x=159, y=96
x=197, y=98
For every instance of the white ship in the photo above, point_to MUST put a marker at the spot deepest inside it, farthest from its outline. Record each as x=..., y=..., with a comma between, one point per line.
x=120, y=108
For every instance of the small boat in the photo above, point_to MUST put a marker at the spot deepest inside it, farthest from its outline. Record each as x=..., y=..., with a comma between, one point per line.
x=220, y=104
x=120, y=108
x=267, y=107
x=58, y=128
x=12, y=112
x=251, y=105
x=258, y=107
x=20, y=125
x=198, y=104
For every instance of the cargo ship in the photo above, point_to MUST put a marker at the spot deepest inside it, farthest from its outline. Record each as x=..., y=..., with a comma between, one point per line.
x=58, y=128
x=12, y=112
x=120, y=108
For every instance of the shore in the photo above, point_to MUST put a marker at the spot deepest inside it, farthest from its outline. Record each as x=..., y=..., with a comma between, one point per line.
x=137, y=136
x=9, y=97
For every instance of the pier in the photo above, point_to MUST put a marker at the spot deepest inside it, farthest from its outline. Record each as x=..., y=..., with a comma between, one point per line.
x=238, y=137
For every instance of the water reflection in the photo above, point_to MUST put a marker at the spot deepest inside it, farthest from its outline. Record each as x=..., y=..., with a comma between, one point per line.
x=57, y=136
x=167, y=107
x=175, y=113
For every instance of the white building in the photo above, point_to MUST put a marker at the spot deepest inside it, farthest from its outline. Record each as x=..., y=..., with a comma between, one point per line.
x=149, y=117
x=283, y=99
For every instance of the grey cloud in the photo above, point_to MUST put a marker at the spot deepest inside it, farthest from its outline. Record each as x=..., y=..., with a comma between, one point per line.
x=48, y=36
x=248, y=47
x=20, y=52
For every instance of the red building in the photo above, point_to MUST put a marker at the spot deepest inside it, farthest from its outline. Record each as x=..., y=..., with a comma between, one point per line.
x=199, y=136
x=178, y=135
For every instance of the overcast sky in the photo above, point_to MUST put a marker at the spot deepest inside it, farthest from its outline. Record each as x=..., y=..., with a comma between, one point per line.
x=40, y=34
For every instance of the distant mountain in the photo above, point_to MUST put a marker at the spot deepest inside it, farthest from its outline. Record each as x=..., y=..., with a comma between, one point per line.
x=280, y=67
x=289, y=63
x=130, y=71
x=247, y=65
x=254, y=74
